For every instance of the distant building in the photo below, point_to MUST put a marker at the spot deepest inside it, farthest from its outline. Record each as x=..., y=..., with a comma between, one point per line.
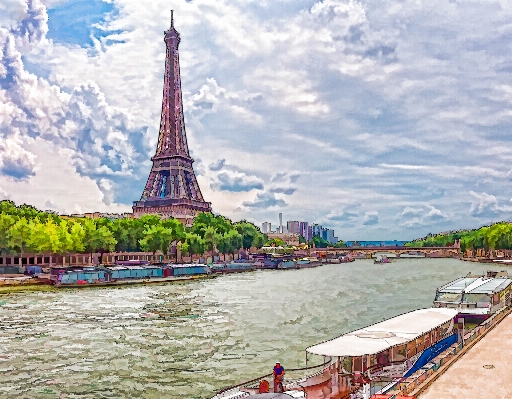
x=293, y=227
x=328, y=235
x=289, y=239
x=310, y=233
x=316, y=230
x=266, y=227
x=304, y=230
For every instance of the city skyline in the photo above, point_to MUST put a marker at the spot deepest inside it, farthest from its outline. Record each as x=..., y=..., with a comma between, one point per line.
x=378, y=119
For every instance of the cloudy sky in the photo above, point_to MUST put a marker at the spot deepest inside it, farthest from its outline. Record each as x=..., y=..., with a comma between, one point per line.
x=382, y=119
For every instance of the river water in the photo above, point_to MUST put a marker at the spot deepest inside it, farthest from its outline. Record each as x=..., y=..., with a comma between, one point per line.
x=108, y=343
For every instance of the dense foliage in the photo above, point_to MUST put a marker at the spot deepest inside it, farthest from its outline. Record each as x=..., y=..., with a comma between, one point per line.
x=496, y=236
x=26, y=229
x=319, y=242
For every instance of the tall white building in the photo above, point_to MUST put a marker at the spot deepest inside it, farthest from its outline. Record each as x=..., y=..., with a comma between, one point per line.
x=266, y=227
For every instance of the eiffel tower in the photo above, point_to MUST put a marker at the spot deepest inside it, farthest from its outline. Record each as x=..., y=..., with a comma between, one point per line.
x=172, y=189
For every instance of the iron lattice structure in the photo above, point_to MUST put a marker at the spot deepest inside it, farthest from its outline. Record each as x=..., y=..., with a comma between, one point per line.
x=172, y=189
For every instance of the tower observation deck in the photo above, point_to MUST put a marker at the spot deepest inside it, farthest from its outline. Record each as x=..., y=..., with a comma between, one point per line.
x=172, y=189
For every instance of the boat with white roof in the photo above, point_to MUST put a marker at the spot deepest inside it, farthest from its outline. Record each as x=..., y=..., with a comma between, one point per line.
x=366, y=361
x=476, y=297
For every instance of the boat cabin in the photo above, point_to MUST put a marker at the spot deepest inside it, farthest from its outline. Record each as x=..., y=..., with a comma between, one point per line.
x=79, y=275
x=476, y=297
x=123, y=272
x=189, y=269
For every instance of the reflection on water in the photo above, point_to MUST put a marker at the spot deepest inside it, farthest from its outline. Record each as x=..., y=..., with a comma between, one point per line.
x=188, y=340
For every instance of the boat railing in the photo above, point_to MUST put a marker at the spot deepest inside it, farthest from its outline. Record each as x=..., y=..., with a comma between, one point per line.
x=248, y=383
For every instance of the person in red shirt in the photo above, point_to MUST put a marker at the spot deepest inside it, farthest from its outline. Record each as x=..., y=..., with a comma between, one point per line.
x=278, y=377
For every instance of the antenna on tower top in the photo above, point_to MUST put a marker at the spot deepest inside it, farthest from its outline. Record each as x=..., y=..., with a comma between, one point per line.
x=172, y=18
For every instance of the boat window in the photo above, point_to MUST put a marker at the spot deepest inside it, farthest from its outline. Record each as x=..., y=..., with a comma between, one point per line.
x=399, y=353
x=358, y=364
x=383, y=358
x=448, y=297
x=347, y=364
x=476, y=298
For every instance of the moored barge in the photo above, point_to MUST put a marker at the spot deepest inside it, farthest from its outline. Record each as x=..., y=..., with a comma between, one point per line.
x=78, y=277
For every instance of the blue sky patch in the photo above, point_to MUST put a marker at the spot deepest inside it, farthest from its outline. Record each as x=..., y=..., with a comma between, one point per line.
x=72, y=22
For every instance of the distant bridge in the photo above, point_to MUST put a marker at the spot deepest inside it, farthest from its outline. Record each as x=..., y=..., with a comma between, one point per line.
x=434, y=252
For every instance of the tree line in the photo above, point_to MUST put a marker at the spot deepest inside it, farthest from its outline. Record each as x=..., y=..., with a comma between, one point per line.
x=495, y=236
x=25, y=229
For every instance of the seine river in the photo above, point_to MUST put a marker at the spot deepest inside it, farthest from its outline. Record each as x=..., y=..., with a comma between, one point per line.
x=108, y=343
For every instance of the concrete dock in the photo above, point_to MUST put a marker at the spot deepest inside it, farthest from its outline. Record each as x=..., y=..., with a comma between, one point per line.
x=483, y=372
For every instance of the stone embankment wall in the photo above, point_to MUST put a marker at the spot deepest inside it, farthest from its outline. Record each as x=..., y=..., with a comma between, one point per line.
x=97, y=258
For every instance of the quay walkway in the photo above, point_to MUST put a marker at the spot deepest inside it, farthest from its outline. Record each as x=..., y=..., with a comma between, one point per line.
x=482, y=372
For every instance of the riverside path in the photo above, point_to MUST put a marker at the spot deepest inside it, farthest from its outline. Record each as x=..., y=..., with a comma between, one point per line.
x=483, y=372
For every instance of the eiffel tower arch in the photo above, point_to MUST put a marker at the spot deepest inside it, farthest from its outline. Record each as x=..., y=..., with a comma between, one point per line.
x=172, y=189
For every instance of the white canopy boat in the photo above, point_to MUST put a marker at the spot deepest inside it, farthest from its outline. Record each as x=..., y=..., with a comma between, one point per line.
x=369, y=360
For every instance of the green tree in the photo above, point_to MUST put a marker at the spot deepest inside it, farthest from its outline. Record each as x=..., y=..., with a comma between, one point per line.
x=275, y=242
x=77, y=237
x=235, y=240
x=193, y=244
x=178, y=229
x=340, y=244
x=6, y=222
x=319, y=242
x=8, y=207
x=44, y=236
x=97, y=238
x=251, y=235
x=211, y=237
x=28, y=212
x=127, y=232
x=65, y=242
x=156, y=238
x=19, y=235
x=224, y=245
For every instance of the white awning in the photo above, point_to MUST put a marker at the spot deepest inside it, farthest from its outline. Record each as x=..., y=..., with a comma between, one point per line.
x=384, y=335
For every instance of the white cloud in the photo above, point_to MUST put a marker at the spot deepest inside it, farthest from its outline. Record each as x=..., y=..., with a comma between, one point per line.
x=371, y=218
x=487, y=206
x=425, y=215
x=15, y=161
